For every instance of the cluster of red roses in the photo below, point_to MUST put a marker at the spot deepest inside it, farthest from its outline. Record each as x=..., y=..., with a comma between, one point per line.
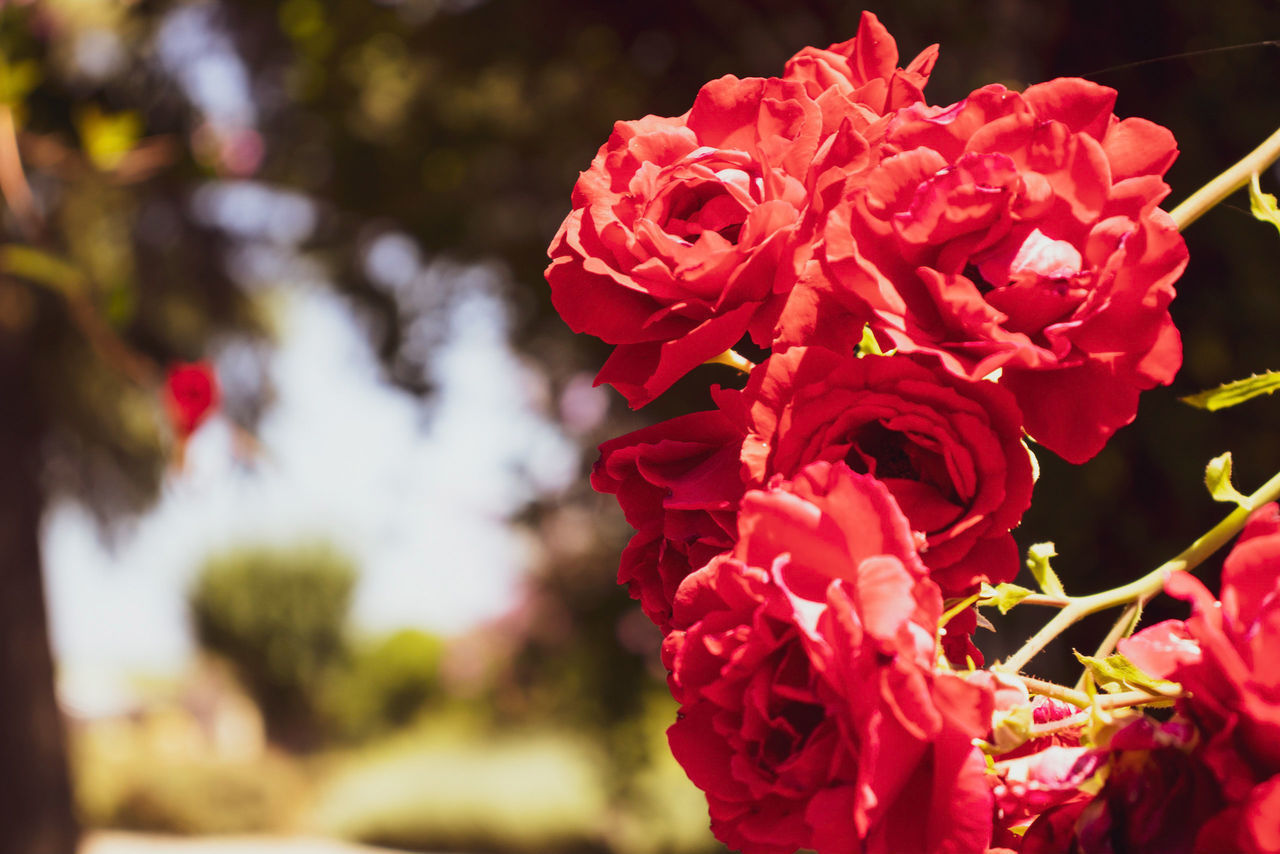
x=797, y=543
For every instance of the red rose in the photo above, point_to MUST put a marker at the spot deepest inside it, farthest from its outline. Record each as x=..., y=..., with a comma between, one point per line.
x=1019, y=232
x=1233, y=687
x=1156, y=798
x=1153, y=802
x=190, y=396
x=949, y=450
x=1028, y=785
x=681, y=239
x=687, y=233
x=678, y=483
x=811, y=713
x=858, y=80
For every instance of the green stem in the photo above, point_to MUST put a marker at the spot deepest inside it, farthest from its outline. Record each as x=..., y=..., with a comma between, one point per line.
x=733, y=359
x=1046, y=600
x=1121, y=628
x=1075, y=697
x=1146, y=586
x=1227, y=183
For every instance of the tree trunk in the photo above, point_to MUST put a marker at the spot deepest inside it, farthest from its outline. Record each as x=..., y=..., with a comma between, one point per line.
x=36, y=813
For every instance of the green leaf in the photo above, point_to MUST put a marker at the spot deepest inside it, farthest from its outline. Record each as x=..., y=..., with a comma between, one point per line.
x=1003, y=596
x=17, y=79
x=1038, y=562
x=1217, y=479
x=1117, y=673
x=868, y=346
x=1263, y=205
x=1230, y=394
x=40, y=267
x=1012, y=728
x=108, y=138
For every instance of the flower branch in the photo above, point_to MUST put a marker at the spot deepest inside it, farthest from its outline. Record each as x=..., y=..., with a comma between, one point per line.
x=1228, y=182
x=1121, y=628
x=1148, y=585
x=1044, y=688
x=1045, y=600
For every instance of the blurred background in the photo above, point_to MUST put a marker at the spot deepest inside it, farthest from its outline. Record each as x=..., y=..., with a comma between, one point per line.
x=371, y=597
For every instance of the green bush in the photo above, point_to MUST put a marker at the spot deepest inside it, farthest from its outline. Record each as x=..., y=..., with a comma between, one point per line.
x=662, y=812
x=384, y=685
x=279, y=616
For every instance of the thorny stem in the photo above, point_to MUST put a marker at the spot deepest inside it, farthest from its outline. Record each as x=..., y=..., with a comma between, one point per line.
x=1148, y=585
x=1044, y=688
x=1235, y=177
x=733, y=359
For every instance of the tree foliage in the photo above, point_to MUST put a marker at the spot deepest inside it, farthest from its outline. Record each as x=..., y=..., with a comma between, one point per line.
x=383, y=684
x=279, y=616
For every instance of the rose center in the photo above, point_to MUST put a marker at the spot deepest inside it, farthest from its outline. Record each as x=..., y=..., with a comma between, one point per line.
x=891, y=455
x=706, y=195
x=973, y=274
x=704, y=207
x=881, y=452
x=792, y=726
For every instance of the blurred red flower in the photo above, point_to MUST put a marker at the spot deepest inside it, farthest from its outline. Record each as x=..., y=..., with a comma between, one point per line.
x=190, y=395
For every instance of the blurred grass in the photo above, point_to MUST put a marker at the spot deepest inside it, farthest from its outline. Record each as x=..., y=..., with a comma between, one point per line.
x=663, y=813
x=446, y=786
x=446, y=783
x=123, y=782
